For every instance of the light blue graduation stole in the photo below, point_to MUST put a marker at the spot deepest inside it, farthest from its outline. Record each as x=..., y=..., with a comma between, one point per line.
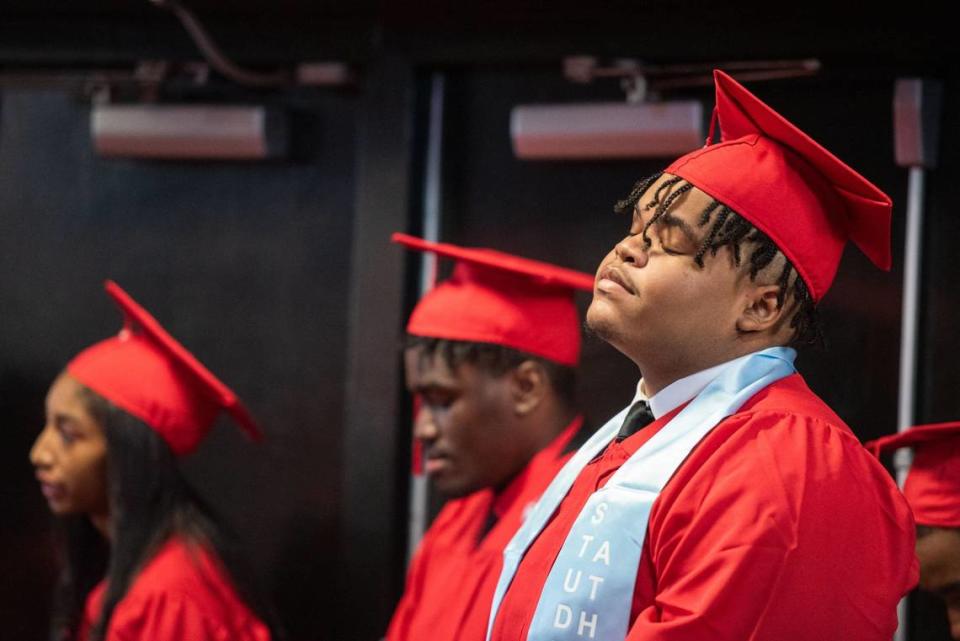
x=589, y=591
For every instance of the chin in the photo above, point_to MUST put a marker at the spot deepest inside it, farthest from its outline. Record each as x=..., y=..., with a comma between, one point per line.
x=601, y=321
x=605, y=323
x=453, y=488
x=61, y=509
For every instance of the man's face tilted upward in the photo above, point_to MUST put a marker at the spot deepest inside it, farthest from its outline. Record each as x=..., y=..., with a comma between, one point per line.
x=652, y=298
x=673, y=313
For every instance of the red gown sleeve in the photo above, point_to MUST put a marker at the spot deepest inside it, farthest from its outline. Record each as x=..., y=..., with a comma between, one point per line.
x=169, y=616
x=163, y=617
x=399, y=627
x=181, y=594
x=786, y=533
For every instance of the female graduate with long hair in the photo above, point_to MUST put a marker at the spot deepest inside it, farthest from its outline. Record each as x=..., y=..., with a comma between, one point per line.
x=143, y=558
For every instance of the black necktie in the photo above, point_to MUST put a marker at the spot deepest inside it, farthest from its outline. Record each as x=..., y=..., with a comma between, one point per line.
x=637, y=418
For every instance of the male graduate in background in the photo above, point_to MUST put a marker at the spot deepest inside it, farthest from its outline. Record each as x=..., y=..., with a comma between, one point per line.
x=490, y=356
x=747, y=509
x=932, y=489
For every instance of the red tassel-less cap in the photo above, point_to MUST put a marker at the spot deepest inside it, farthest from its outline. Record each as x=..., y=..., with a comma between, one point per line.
x=506, y=300
x=146, y=372
x=789, y=187
x=933, y=485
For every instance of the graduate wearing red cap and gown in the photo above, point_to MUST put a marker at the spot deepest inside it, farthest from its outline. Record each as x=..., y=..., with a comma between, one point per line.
x=932, y=488
x=527, y=306
x=777, y=525
x=183, y=592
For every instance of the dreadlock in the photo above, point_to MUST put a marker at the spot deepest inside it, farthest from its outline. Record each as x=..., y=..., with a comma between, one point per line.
x=729, y=229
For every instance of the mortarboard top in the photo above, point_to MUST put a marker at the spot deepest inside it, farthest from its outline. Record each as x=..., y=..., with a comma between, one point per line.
x=146, y=372
x=494, y=297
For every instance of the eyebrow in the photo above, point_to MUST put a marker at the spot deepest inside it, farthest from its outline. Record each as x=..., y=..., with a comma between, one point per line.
x=669, y=220
x=60, y=417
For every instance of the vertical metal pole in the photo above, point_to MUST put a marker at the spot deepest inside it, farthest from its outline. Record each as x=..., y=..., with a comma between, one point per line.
x=432, y=184
x=916, y=119
x=432, y=192
x=908, y=341
x=911, y=304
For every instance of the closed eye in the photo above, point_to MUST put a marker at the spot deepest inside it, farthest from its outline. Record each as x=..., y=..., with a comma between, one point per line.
x=675, y=235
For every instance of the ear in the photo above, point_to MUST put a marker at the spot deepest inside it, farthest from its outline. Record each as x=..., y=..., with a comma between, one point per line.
x=762, y=312
x=528, y=387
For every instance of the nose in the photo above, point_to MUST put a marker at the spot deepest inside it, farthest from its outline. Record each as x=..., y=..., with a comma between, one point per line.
x=40, y=454
x=424, y=425
x=632, y=250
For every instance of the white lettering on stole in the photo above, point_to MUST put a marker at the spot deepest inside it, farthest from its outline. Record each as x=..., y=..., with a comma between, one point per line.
x=599, y=513
x=576, y=583
x=596, y=581
x=563, y=617
x=603, y=554
x=592, y=624
x=586, y=541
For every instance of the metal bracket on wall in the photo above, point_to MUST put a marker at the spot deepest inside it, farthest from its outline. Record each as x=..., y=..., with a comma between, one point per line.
x=636, y=76
x=313, y=73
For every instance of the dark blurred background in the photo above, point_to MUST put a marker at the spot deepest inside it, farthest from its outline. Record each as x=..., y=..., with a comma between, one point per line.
x=279, y=275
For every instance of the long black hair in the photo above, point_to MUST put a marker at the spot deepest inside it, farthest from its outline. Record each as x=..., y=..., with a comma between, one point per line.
x=149, y=502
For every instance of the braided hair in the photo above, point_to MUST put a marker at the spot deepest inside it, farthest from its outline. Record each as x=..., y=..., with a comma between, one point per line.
x=729, y=229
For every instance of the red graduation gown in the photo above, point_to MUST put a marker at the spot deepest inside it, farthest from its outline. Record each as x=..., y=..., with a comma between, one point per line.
x=778, y=526
x=181, y=594
x=452, y=577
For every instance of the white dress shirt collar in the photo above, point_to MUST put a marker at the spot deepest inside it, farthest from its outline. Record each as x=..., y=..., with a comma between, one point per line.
x=680, y=391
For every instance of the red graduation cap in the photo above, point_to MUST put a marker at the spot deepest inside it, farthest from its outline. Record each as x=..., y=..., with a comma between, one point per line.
x=506, y=300
x=788, y=186
x=146, y=372
x=933, y=485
